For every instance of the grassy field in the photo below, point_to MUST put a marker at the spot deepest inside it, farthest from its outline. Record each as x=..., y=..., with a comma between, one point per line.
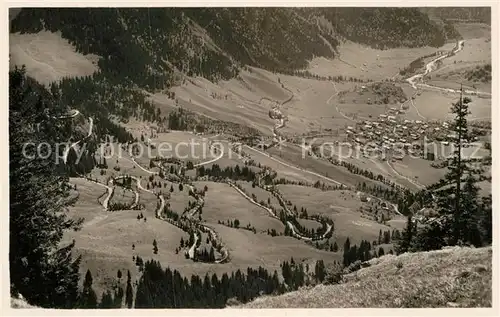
x=48, y=57
x=341, y=206
x=249, y=249
x=106, y=245
x=309, y=224
x=279, y=165
x=293, y=154
x=259, y=193
x=418, y=170
x=363, y=62
x=455, y=277
x=224, y=203
x=87, y=205
x=122, y=196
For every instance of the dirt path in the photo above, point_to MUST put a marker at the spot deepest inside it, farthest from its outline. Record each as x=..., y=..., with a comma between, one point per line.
x=214, y=159
x=337, y=106
x=110, y=192
x=192, y=250
x=142, y=168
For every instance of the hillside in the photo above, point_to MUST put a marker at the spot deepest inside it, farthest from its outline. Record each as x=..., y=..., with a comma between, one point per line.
x=460, y=14
x=454, y=277
x=214, y=42
x=122, y=55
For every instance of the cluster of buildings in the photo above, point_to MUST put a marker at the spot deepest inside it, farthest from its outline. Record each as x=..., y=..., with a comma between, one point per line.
x=390, y=131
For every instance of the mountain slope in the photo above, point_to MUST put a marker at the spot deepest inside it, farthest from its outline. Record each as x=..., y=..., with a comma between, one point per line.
x=143, y=50
x=454, y=277
x=145, y=46
x=465, y=14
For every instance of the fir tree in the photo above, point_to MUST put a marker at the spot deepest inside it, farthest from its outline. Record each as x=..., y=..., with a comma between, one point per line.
x=155, y=247
x=129, y=296
x=456, y=196
x=346, y=256
x=335, y=247
x=106, y=300
x=38, y=197
x=319, y=271
x=88, y=297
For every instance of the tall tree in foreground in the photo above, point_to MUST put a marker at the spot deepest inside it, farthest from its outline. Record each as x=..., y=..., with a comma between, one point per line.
x=462, y=215
x=129, y=293
x=41, y=269
x=88, y=297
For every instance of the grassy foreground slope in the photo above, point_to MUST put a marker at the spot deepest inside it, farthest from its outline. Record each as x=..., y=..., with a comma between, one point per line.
x=453, y=277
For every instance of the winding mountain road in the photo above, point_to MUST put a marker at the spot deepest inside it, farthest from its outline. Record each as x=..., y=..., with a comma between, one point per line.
x=91, y=125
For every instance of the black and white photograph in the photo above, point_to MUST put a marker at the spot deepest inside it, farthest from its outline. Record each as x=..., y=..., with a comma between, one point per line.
x=250, y=157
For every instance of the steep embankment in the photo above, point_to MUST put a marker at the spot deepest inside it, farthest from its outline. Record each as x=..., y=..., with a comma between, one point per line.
x=454, y=277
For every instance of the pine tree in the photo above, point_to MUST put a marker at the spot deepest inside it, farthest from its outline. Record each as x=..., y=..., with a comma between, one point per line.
x=38, y=197
x=346, y=256
x=129, y=295
x=106, y=300
x=319, y=271
x=335, y=247
x=118, y=299
x=456, y=195
x=88, y=297
x=155, y=247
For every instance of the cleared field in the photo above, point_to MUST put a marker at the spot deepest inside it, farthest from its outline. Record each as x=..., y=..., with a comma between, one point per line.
x=361, y=111
x=260, y=194
x=150, y=202
x=245, y=100
x=354, y=156
x=48, y=57
x=321, y=202
x=309, y=224
x=178, y=199
x=87, y=205
x=398, y=222
x=418, y=170
x=120, y=158
x=198, y=94
x=475, y=50
x=313, y=104
x=248, y=249
x=122, y=196
x=294, y=155
x=363, y=62
x=474, y=30
x=279, y=165
x=224, y=203
x=341, y=206
x=106, y=246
